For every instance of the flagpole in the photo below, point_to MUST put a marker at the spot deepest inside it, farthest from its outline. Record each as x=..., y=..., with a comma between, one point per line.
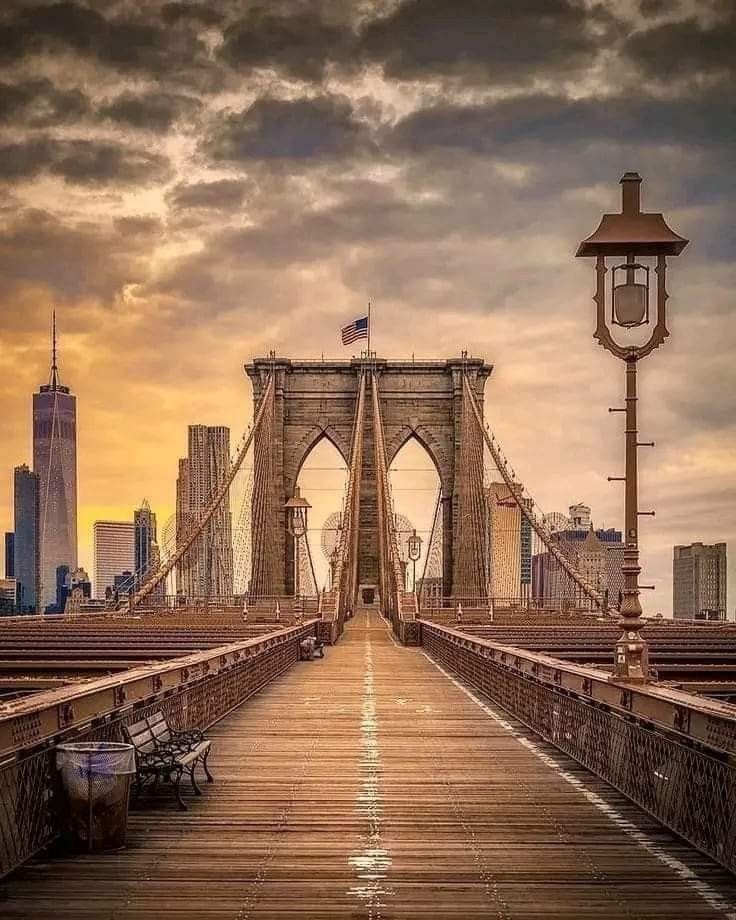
x=369, y=330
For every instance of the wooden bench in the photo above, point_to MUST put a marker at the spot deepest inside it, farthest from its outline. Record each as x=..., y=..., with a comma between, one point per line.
x=162, y=753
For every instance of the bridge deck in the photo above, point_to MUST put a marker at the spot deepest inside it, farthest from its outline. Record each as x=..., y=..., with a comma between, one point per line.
x=370, y=785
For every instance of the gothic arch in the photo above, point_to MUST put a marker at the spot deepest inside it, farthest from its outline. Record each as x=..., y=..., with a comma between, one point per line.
x=317, y=399
x=304, y=447
x=431, y=445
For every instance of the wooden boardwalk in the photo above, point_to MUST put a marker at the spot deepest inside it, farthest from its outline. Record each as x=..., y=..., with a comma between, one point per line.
x=370, y=785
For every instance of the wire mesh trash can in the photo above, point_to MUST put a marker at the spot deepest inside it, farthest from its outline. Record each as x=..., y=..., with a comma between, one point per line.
x=95, y=777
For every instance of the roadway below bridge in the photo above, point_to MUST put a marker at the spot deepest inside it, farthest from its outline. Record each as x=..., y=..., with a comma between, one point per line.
x=371, y=784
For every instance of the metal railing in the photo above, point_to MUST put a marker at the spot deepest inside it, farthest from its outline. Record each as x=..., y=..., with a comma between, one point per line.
x=671, y=753
x=237, y=604
x=550, y=604
x=193, y=692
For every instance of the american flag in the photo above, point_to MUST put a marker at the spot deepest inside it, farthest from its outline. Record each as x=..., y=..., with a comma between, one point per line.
x=355, y=330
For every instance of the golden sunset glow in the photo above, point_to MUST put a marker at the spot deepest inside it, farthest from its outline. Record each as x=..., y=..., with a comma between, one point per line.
x=188, y=205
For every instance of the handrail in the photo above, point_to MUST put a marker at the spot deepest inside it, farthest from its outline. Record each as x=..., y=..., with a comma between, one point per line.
x=36, y=719
x=194, y=691
x=670, y=752
x=707, y=721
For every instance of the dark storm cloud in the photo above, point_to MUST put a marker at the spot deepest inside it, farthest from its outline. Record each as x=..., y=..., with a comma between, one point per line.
x=482, y=40
x=219, y=195
x=298, y=42
x=39, y=103
x=124, y=43
x=413, y=240
x=688, y=48
x=76, y=259
x=541, y=121
x=476, y=40
x=138, y=227
x=172, y=13
x=89, y=162
x=63, y=24
x=302, y=129
x=649, y=8
x=154, y=110
x=25, y=159
x=683, y=148
x=81, y=162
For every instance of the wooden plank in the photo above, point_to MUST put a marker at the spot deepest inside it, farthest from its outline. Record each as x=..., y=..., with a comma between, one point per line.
x=368, y=785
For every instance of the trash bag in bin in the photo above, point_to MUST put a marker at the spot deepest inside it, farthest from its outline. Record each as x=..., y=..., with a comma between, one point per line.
x=95, y=777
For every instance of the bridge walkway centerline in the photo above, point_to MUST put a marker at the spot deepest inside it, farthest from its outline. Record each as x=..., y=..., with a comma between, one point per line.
x=370, y=784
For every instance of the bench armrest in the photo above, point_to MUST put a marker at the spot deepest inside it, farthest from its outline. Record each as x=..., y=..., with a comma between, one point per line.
x=155, y=760
x=192, y=736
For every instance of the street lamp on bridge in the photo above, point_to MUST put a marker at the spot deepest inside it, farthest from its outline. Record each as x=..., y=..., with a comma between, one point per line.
x=296, y=510
x=414, y=547
x=640, y=238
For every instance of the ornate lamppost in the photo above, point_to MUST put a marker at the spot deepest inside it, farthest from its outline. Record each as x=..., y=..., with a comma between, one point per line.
x=641, y=239
x=296, y=511
x=414, y=546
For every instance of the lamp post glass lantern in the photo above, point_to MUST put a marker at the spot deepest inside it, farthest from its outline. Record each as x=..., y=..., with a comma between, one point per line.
x=641, y=238
x=630, y=298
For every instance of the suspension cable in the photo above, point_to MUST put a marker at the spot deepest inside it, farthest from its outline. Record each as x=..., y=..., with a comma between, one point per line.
x=526, y=506
x=213, y=505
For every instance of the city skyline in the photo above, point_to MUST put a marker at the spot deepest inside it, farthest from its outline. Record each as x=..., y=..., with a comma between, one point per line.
x=188, y=204
x=89, y=553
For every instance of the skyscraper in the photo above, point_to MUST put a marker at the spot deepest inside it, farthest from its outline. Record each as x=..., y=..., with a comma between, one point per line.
x=699, y=582
x=10, y=554
x=113, y=551
x=55, y=462
x=579, y=517
x=144, y=524
x=184, y=520
x=505, y=542
x=208, y=568
x=147, y=555
x=26, y=491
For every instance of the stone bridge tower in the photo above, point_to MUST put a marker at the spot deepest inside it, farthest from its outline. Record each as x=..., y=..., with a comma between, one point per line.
x=317, y=399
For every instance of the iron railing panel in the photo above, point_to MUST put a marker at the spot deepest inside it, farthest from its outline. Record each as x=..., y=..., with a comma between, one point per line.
x=194, y=692
x=682, y=781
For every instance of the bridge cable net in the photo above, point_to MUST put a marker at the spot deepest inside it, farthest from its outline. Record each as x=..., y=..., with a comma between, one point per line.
x=208, y=559
x=430, y=582
x=567, y=579
x=337, y=603
x=305, y=565
x=397, y=602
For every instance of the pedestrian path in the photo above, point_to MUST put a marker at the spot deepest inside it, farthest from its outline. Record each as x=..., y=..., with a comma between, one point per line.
x=372, y=785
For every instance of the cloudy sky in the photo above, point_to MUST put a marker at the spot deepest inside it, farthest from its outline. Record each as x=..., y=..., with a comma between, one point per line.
x=191, y=184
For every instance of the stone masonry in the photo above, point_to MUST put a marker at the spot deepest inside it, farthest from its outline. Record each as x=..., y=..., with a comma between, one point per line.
x=317, y=399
